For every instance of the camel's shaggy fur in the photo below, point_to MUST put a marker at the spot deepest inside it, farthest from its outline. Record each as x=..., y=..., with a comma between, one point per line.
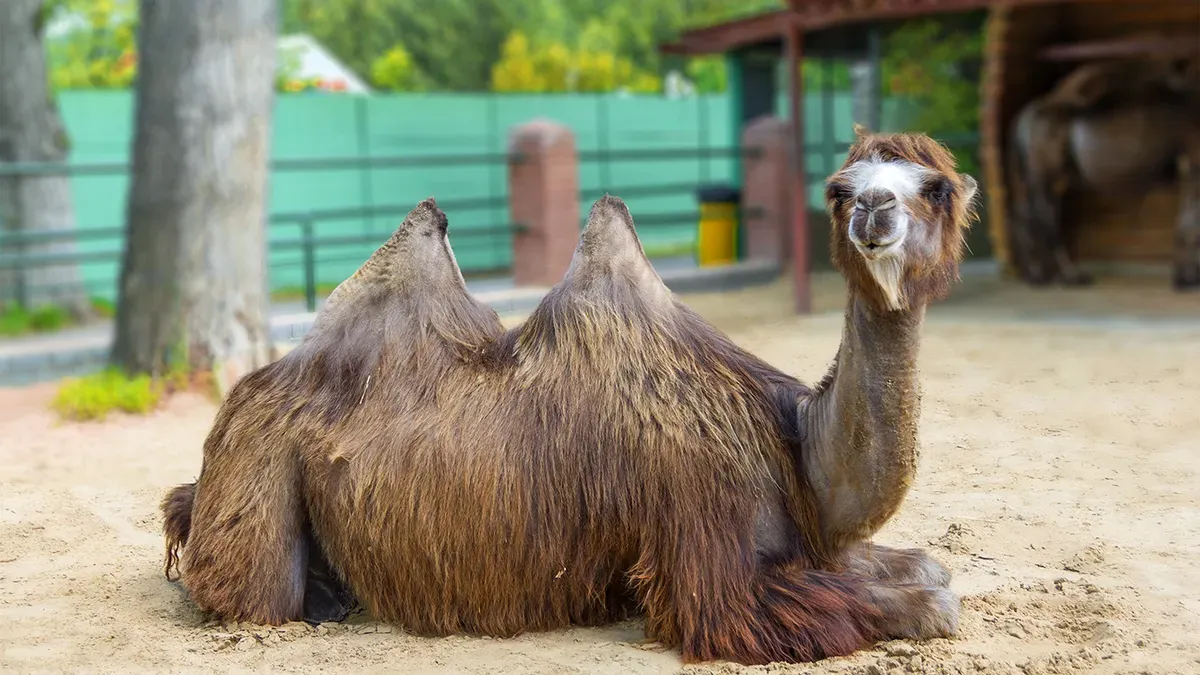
x=615, y=454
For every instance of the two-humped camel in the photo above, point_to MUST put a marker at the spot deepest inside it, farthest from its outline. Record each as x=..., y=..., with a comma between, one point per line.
x=613, y=455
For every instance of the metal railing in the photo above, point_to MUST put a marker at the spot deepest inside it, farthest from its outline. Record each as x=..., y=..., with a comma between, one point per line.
x=16, y=259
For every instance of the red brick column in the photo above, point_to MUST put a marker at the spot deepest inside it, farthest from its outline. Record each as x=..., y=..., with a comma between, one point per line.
x=767, y=189
x=543, y=199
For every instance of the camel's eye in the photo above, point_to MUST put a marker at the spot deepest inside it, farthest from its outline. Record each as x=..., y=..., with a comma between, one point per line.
x=939, y=190
x=837, y=193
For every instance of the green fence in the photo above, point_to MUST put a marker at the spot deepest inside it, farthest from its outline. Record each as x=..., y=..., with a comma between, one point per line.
x=350, y=166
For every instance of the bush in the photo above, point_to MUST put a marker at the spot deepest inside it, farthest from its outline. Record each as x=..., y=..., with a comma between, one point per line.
x=17, y=320
x=48, y=318
x=104, y=308
x=93, y=397
x=14, y=320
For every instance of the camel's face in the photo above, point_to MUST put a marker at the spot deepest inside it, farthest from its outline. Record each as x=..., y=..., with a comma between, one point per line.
x=898, y=208
x=882, y=193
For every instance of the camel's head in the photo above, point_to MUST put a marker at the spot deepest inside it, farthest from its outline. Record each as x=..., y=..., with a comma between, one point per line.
x=899, y=212
x=416, y=259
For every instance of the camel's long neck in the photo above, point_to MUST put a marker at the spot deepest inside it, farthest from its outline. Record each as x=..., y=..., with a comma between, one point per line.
x=861, y=445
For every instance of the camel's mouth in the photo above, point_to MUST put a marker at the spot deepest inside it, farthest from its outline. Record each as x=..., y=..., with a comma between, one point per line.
x=875, y=250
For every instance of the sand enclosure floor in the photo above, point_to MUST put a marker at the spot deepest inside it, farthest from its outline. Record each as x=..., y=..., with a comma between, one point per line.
x=1058, y=480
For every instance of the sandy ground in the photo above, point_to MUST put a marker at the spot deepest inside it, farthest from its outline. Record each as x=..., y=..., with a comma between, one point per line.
x=1060, y=451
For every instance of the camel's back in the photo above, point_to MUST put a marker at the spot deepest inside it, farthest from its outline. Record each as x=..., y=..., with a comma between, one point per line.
x=516, y=489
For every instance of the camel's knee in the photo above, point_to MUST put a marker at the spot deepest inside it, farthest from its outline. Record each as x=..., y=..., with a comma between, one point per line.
x=241, y=578
x=916, y=612
x=893, y=565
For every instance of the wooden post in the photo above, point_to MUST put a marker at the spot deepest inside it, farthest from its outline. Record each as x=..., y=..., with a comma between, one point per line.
x=543, y=198
x=800, y=267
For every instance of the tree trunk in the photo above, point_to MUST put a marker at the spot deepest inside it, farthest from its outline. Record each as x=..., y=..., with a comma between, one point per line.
x=31, y=130
x=193, y=281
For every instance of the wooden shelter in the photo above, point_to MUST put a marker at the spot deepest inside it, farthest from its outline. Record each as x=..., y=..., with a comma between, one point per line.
x=1030, y=44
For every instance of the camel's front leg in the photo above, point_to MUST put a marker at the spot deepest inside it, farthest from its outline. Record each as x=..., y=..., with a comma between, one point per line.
x=1187, y=235
x=895, y=565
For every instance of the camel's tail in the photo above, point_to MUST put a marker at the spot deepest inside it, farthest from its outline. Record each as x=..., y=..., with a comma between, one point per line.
x=177, y=524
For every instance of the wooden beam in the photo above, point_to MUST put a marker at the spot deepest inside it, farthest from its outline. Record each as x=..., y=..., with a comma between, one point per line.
x=802, y=287
x=1122, y=48
x=725, y=37
x=811, y=15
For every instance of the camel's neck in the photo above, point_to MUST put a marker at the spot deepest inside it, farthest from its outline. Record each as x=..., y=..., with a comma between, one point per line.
x=861, y=446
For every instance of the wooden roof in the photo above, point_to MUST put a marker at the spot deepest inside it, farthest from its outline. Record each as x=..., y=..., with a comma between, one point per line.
x=811, y=15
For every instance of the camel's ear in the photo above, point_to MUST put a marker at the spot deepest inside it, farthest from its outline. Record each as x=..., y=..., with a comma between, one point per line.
x=609, y=246
x=970, y=187
x=417, y=256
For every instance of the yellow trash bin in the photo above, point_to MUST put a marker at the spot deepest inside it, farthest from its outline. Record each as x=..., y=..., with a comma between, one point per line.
x=717, y=240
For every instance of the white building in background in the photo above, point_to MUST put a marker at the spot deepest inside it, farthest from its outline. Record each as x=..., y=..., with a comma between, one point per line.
x=314, y=60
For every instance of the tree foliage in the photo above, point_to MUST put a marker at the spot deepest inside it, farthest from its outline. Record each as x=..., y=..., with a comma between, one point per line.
x=934, y=64
x=553, y=67
x=99, y=54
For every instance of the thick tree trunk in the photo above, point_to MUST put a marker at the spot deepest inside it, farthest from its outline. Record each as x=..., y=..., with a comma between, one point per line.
x=193, y=283
x=31, y=130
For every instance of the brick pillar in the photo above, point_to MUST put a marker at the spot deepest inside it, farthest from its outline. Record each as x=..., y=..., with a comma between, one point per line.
x=767, y=189
x=543, y=199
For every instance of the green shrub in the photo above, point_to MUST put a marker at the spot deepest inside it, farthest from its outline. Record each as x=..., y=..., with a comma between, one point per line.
x=104, y=308
x=49, y=318
x=14, y=320
x=17, y=320
x=93, y=397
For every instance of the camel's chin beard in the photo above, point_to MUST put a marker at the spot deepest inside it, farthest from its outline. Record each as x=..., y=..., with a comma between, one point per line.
x=887, y=269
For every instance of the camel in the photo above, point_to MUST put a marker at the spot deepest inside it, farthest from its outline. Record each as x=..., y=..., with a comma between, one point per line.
x=1117, y=127
x=613, y=456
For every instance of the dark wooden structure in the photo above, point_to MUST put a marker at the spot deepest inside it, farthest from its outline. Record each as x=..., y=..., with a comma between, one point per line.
x=1029, y=47
x=1030, y=44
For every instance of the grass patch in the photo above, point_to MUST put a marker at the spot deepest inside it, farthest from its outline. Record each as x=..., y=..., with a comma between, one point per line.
x=16, y=320
x=95, y=396
x=104, y=308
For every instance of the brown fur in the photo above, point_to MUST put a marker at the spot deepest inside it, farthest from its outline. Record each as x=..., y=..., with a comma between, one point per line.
x=612, y=455
x=927, y=279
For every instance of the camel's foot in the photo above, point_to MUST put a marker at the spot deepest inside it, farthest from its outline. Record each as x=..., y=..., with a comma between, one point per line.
x=897, y=565
x=916, y=612
x=327, y=600
x=1187, y=279
x=326, y=597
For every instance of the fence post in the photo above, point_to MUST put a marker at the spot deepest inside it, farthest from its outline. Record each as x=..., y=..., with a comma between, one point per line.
x=310, y=264
x=543, y=200
x=767, y=189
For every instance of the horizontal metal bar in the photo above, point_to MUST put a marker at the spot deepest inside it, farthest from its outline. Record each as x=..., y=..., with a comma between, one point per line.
x=304, y=164
x=316, y=215
x=38, y=260
x=659, y=219
x=376, y=240
x=627, y=191
x=662, y=154
x=20, y=237
x=289, y=217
